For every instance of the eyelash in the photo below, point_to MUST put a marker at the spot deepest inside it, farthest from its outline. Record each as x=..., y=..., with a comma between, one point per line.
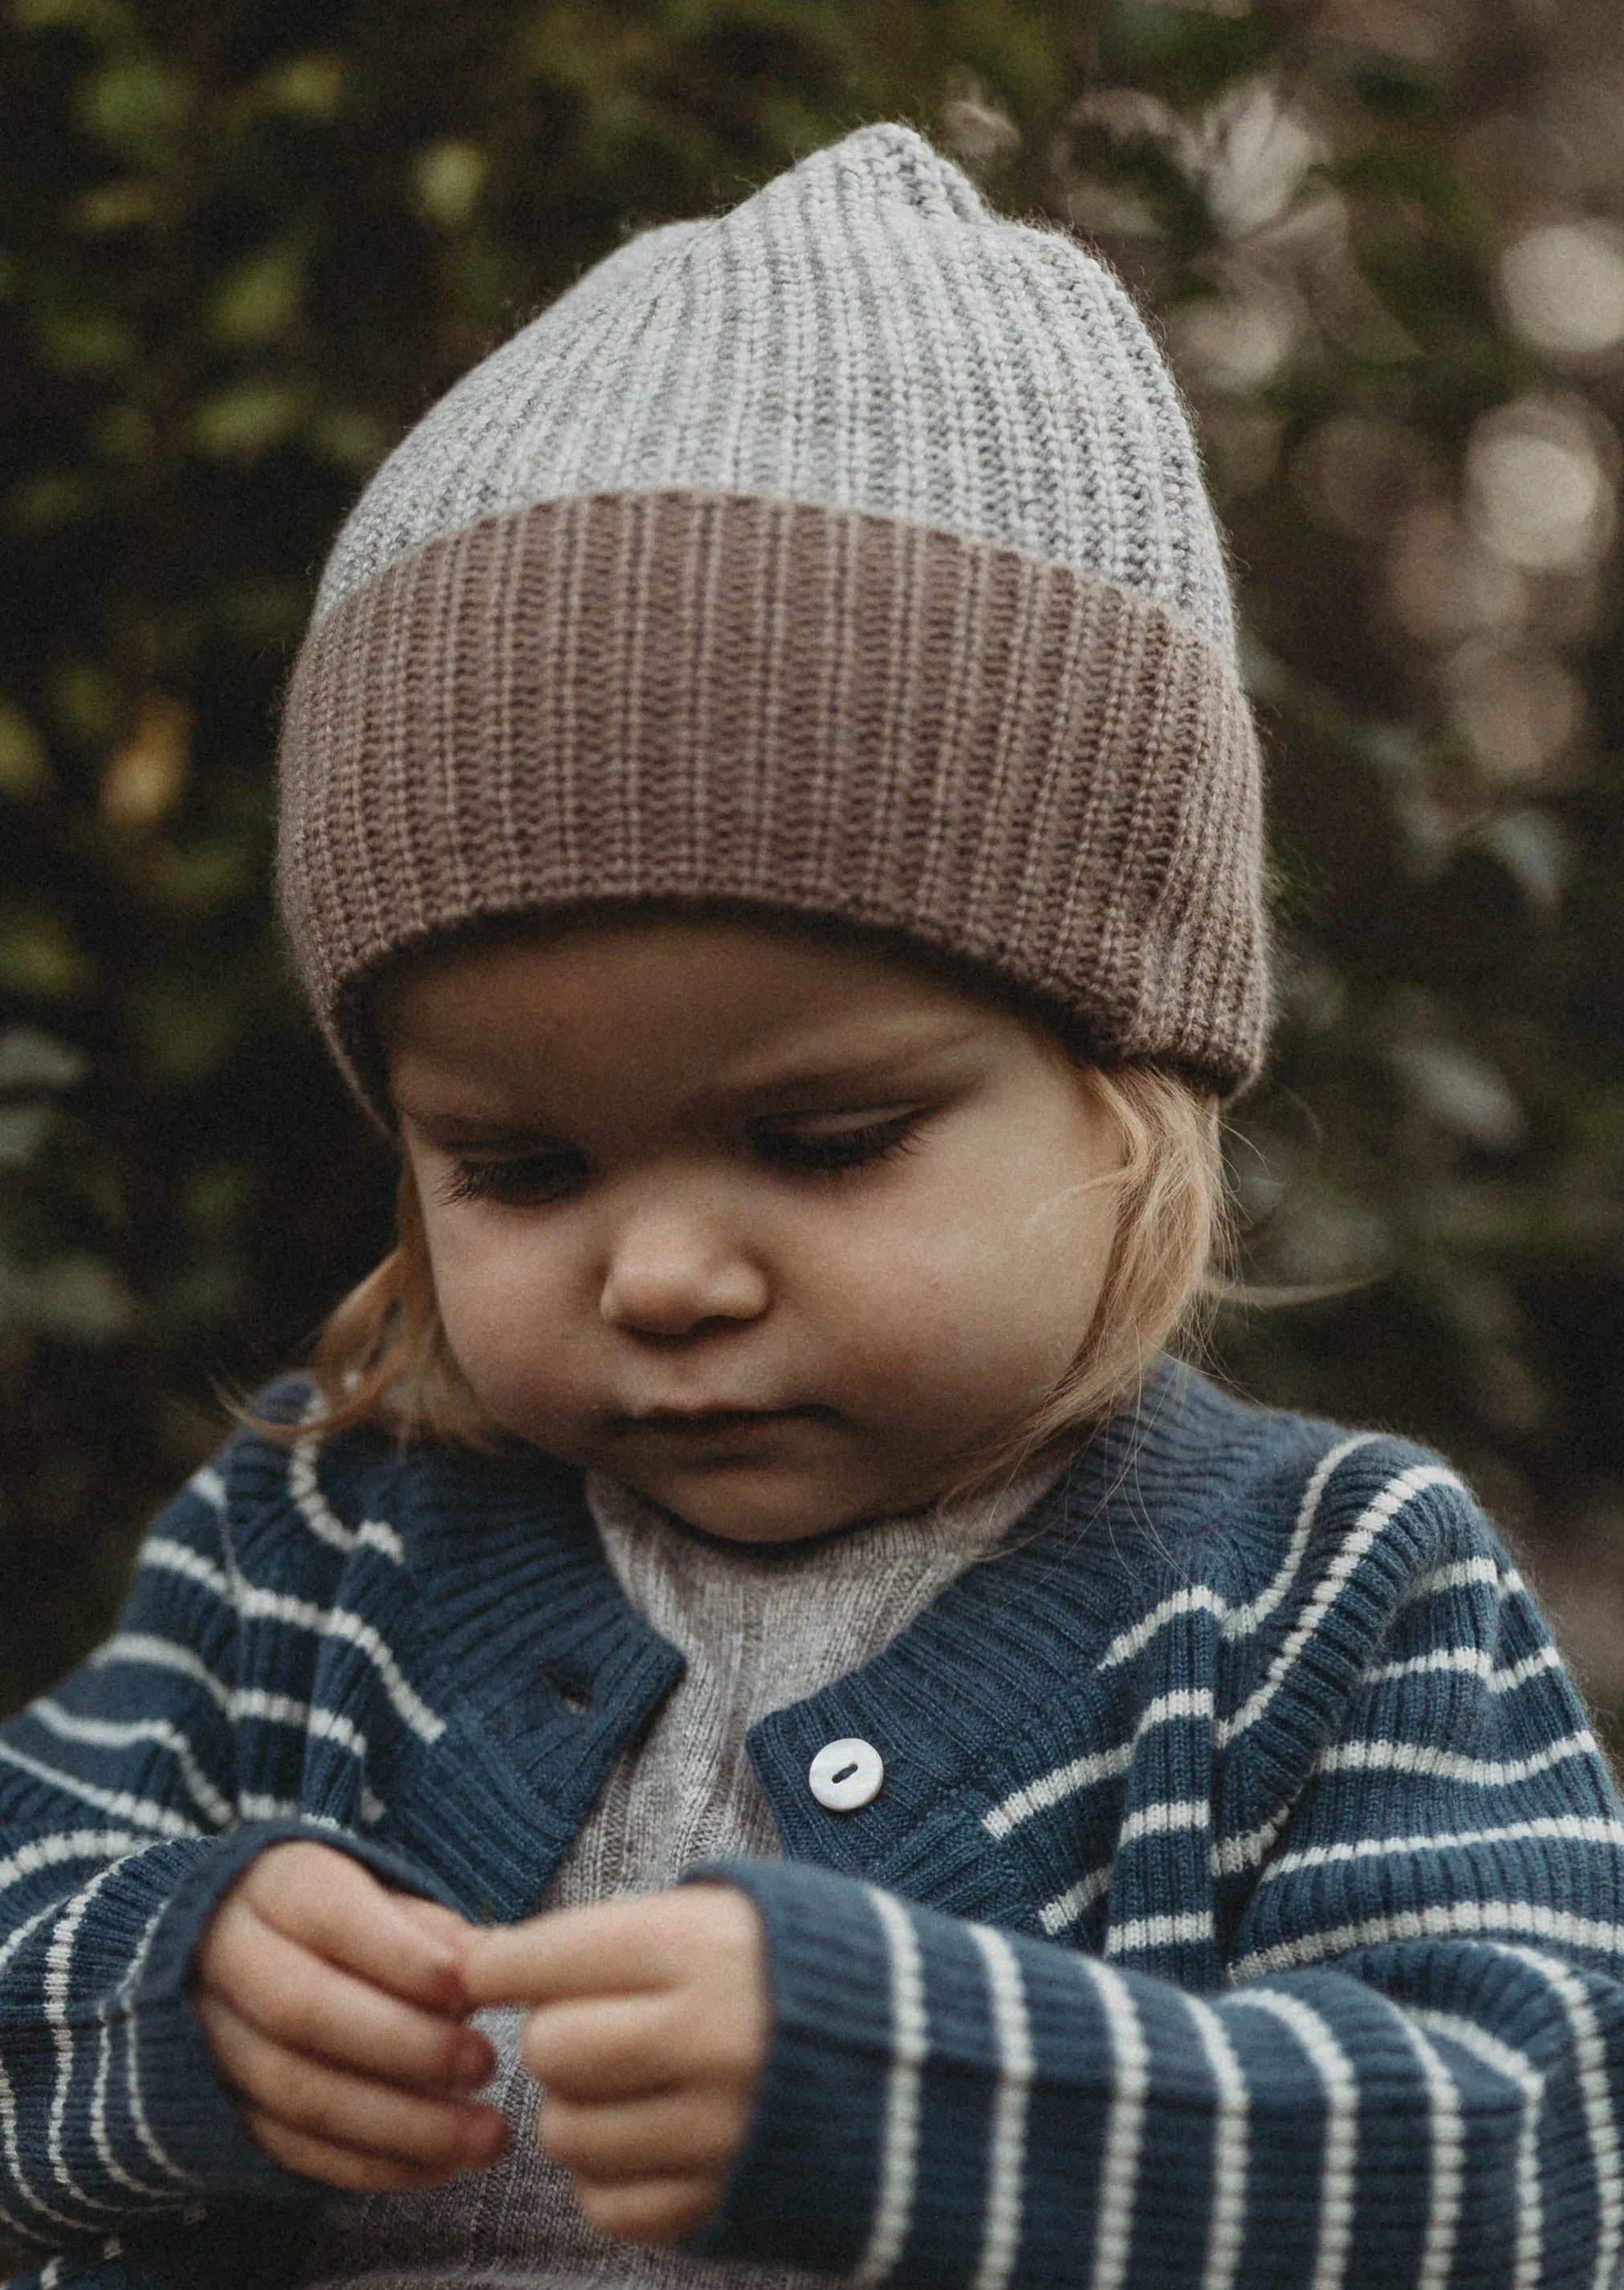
x=813, y=1153
x=827, y=1153
x=498, y=1180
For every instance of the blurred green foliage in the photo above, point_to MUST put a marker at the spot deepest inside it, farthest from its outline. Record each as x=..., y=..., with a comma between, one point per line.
x=242, y=245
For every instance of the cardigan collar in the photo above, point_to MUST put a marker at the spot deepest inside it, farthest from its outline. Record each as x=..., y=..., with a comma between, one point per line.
x=546, y=1673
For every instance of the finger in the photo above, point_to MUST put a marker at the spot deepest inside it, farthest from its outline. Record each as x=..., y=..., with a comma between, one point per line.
x=348, y=2110
x=586, y=1952
x=338, y=2167
x=332, y=1905
x=440, y=1923
x=621, y=2047
x=649, y=2210
x=611, y=2047
x=678, y=2133
x=305, y=2004
x=627, y=1947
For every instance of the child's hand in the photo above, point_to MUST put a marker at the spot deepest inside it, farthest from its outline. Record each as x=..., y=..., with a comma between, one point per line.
x=649, y=2028
x=335, y=2010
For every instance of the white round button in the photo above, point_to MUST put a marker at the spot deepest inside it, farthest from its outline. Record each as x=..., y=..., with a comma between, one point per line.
x=846, y=1775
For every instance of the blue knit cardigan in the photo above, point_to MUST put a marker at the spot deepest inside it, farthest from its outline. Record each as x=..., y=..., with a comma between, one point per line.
x=1243, y=1910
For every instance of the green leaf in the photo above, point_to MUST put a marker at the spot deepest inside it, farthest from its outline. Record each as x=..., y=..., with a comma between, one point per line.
x=198, y=878
x=1412, y=172
x=242, y=422
x=307, y=87
x=23, y=1131
x=135, y=106
x=39, y=958
x=127, y=205
x=260, y=299
x=86, y=700
x=447, y=178
x=79, y=1296
x=105, y=20
x=350, y=437
x=77, y=337
x=53, y=499
x=24, y=771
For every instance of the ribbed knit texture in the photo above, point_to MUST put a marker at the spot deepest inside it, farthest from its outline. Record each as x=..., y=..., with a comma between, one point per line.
x=1244, y=1905
x=848, y=553
x=758, y=1627
x=862, y=333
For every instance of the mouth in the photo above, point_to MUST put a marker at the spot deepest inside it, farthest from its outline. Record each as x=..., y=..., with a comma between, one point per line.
x=695, y=1425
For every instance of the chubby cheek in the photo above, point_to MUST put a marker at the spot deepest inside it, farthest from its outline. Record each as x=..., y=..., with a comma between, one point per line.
x=996, y=1303
x=888, y=1346
x=961, y=1335
x=507, y=1321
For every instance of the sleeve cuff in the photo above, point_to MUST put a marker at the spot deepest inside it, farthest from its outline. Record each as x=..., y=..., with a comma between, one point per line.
x=184, y=2097
x=807, y=2188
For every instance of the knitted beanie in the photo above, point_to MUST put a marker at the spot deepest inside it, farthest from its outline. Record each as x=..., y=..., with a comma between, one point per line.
x=845, y=555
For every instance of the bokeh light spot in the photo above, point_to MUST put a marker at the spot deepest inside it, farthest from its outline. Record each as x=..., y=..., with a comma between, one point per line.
x=1519, y=711
x=1230, y=344
x=1445, y=587
x=1563, y=286
x=1538, y=493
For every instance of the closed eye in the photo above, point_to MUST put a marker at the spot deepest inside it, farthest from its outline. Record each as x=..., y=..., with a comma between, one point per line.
x=526, y=1180
x=817, y=1152
x=552, y=1173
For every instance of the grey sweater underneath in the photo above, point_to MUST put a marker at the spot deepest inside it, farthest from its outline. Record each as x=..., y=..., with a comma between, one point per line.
x=761, y=1628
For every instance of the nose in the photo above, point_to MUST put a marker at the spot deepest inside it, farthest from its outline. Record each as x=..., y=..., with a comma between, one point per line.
x=674, y=1273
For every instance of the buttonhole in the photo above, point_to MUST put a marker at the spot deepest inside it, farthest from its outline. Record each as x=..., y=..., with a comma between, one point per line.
x=572, y=1692
x=845, y=1773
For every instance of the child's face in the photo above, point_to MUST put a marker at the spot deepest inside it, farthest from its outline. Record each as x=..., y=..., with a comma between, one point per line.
x=779, y=1231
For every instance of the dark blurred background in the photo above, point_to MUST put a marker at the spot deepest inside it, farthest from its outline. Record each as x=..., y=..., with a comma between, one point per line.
x=244, y=243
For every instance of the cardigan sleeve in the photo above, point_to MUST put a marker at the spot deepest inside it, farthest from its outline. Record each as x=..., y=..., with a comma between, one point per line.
x=1412, y=2076
x=120, y=1827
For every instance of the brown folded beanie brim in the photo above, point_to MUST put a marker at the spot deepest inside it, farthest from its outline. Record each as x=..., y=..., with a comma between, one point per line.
x=684, y=696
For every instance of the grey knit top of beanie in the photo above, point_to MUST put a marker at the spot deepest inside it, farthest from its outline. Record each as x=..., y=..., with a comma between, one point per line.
x=847, y=555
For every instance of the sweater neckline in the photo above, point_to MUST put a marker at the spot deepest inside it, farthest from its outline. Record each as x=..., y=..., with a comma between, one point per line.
x=544, y=1671
x=974, y=1524
x=501, y=1545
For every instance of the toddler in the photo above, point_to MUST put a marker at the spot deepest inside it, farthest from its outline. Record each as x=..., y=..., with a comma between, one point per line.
x=750, y=1721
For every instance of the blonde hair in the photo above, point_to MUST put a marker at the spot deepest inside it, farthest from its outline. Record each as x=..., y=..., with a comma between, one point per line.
x=382, y=1358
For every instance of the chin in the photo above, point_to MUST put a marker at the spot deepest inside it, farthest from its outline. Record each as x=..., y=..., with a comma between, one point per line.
x=738, y=1507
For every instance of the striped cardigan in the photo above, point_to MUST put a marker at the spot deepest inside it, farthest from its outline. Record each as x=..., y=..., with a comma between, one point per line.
x=1241, y=1908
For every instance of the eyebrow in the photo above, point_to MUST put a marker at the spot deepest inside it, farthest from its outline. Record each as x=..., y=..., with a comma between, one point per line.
x=830, y=1073
x=834, y=1071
